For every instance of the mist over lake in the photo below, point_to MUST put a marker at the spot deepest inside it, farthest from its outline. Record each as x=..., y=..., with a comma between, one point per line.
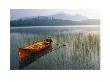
x=55, y=29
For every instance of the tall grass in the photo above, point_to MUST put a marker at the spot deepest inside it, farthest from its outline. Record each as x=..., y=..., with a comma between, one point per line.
x=82, y=51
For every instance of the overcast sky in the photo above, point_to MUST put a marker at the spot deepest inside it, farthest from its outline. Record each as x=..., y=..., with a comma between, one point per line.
x=20, y=13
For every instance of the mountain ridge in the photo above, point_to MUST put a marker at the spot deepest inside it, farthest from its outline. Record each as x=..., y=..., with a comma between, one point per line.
x=64, y=16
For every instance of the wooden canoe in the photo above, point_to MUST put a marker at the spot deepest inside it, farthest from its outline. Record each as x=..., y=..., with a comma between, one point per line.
x=38, y=46
x=34, y=56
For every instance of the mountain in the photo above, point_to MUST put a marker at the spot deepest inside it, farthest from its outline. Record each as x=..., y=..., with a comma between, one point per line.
x=65, y=16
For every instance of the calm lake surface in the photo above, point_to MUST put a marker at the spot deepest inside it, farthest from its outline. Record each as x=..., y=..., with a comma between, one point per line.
x=54, y=29
x=56, y=57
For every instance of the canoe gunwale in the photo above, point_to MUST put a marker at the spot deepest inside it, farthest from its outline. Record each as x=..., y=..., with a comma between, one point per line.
x=34, y=49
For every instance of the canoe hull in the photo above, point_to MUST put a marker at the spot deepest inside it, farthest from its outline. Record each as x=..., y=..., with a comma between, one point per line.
x=23, y=53
x=32, y=56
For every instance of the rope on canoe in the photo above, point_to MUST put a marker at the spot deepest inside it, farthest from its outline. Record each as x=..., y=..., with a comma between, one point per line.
x=62, y=45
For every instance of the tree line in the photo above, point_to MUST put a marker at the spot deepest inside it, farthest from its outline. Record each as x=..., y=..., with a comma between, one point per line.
x=46, y=21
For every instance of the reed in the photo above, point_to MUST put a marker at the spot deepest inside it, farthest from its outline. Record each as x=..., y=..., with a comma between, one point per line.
x=82, y=51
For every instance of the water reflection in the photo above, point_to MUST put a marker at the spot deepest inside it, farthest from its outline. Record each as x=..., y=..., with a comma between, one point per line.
x=33, y=57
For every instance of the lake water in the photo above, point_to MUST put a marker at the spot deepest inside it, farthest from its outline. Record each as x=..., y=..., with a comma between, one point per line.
x=54, y=29
x=61, y=58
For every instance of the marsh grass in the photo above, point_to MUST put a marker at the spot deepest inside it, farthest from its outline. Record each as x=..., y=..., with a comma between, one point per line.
x=82, y=51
